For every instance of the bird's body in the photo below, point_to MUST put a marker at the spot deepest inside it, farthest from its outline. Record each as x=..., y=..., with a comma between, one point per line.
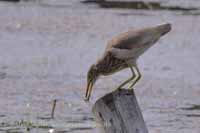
x=123, y=51
x=109, y=64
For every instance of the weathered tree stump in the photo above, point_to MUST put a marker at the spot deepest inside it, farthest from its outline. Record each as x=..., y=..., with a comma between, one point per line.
x=119, y=112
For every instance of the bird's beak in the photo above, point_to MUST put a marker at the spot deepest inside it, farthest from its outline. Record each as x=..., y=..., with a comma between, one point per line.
x=88, y=91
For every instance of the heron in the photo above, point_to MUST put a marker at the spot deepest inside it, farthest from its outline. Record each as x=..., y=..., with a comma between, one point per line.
x=122, y=52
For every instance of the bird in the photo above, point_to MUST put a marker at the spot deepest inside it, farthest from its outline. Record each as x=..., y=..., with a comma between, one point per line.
x=122, y=52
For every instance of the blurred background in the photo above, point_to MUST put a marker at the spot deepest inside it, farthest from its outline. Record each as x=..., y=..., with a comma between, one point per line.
x=47, y=46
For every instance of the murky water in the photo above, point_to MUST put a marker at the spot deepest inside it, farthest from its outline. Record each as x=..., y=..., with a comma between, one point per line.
x=46, y=48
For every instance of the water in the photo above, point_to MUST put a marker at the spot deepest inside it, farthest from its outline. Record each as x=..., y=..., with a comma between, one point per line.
x=46, y=48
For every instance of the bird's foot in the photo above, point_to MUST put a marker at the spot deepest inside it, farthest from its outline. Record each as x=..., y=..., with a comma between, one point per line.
x=130, y=88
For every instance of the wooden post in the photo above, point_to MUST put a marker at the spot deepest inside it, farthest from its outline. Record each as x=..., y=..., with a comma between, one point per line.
x=119, y=112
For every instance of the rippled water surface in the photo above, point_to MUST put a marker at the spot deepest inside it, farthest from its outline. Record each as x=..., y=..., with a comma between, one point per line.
x=46, y=48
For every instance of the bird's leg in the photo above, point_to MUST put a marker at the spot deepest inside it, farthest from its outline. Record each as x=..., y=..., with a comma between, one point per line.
x=130, y=79
x=138, y=76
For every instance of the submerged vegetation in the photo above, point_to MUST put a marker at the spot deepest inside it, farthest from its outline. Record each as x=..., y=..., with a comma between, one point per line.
x=137, y=5
x=193, y=107
x=20, y=125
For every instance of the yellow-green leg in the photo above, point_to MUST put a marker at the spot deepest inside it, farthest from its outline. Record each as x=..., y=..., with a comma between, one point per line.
x=138, y=77
x=127, y=81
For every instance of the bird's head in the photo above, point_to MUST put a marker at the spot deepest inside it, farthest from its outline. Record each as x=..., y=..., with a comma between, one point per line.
x=92, y=76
